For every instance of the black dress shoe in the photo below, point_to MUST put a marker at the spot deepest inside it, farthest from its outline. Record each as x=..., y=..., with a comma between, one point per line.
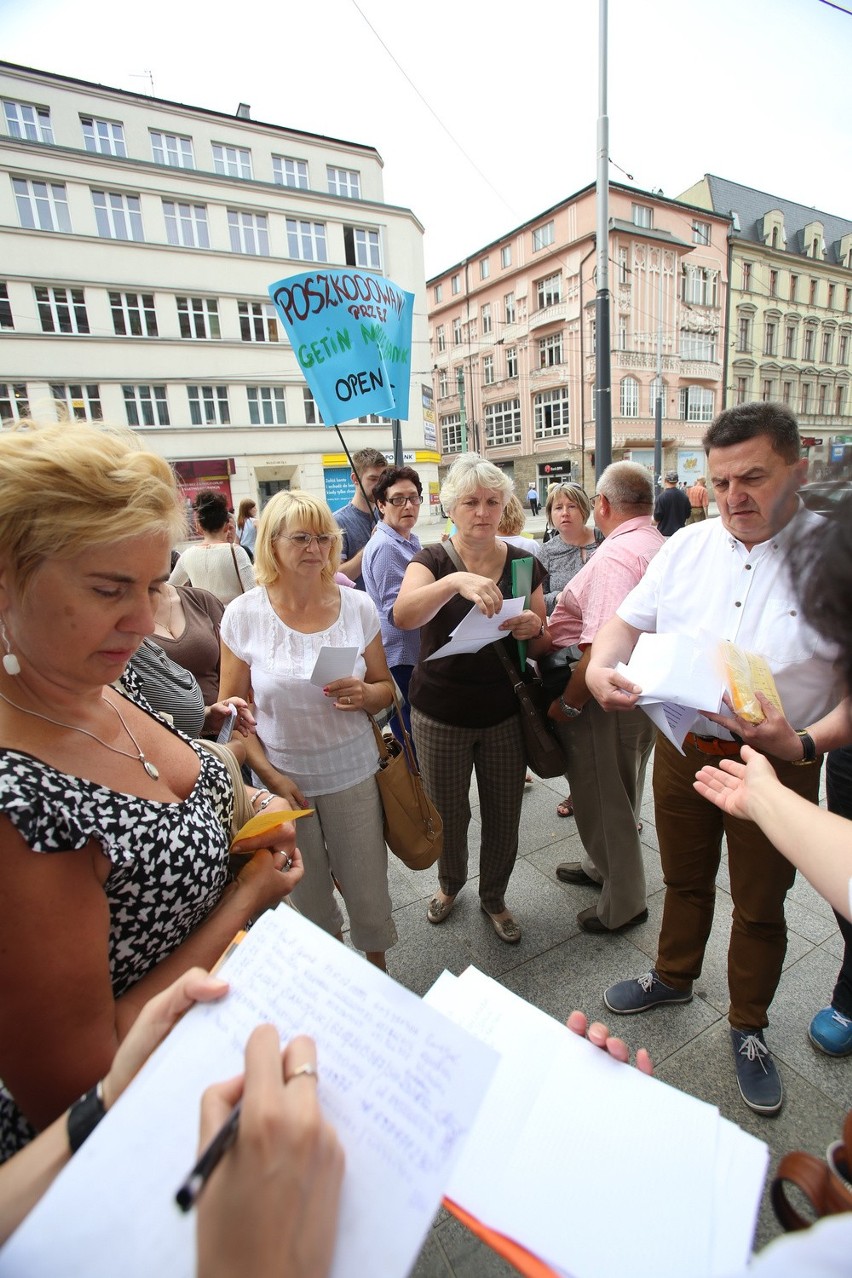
x=589, y=922
x=573, y=872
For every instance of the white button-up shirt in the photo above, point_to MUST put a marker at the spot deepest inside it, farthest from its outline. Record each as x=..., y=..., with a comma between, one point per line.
x=704, y=578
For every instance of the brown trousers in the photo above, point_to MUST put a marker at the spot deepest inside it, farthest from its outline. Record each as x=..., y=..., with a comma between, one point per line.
x=690, y=832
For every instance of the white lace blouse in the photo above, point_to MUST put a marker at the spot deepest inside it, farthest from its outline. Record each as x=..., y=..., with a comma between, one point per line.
x=322, y=749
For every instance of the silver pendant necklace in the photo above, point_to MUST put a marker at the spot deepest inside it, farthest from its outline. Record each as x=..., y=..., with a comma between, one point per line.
x=150, y=768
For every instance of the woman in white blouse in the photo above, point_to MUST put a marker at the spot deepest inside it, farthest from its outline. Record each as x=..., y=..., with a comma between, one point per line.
x=214, y=564
x=318, y=739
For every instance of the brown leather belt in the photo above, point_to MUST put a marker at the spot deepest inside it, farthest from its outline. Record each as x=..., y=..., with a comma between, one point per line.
x=713, y=745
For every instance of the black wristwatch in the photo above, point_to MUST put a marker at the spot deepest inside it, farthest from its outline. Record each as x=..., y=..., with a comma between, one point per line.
x=809, y=753
x=570, y=712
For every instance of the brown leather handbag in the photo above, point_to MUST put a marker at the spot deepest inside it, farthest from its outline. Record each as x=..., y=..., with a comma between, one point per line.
x=826, y=1183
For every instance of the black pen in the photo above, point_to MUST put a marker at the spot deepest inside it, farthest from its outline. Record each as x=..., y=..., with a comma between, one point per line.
x=187, y=1196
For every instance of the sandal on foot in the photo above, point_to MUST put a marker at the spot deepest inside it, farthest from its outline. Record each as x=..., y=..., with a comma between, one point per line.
x=565, y=808
x=439, y=909
x=528, y=779
x=506, y=928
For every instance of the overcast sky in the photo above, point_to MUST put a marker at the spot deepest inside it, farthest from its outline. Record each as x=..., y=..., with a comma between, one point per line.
x=753, y=90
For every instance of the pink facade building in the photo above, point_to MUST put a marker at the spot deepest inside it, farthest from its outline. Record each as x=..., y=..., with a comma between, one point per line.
x=513, y=338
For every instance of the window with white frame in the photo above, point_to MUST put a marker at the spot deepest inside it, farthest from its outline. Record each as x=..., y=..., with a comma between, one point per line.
x=249, y=232
x=455, y=285
x=362, y=248
x=198, y=317
x=827, y=342
x=744, y=334
x=439, y=292
x=839, y=398
x=843, y=350
x=621, y=334
x=806, y=392
x=790, y=336
x=503, y=423
x=146, y=405
x=488, y=370
x=786, y=392
x=186, y=224
x=696, y=404
x=657, y=390
x=443, y=384
x=267, y=406
x=741, y=389
x=6, y=320
x=629, y=397
x=451, y=433
x=13, y=401
x=700, y=286
x=106, y=137
x=510, y=309
x=30, y=123
x=810, y=344
x=485, y=318
x=550, y=413
x=173, y=149
x=441, y=338
x=312, y=413
x=42, y=206
x=767, y=390
x=511, y=361
x=770, y=337
x=232, y=161
x=700, y=232
x=542, y=236
x=699, y=346
x=548, y=291
x=77, y=402
x=550, y=350
x=623, y=271
x=61, y=310
x=506, y=256
x=346, y=182
x=822, y=398
x=745, y=268
x=370, y=419
x=258, y=322
x=133, y=314
x=287, y=171
x=457, y=332
x=643, y=215
x=208, y=405
x=119, y=217
x=484, y=268
x=306, y=240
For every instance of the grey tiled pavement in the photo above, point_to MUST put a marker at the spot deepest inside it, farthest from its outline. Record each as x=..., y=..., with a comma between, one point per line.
x=557, y=967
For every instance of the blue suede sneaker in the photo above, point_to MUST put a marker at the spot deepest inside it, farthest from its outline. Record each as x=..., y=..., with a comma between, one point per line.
x=831, y=1032
x=757, y=1077
x=642, y=994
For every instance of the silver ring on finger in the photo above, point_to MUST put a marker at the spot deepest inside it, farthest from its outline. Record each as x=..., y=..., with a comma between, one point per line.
x=306, y=1070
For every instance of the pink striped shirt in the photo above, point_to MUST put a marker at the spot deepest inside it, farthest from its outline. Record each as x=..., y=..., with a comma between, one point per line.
x=592, y=597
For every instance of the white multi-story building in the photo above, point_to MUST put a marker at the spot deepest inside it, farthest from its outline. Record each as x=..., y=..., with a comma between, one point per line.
x=138, y=238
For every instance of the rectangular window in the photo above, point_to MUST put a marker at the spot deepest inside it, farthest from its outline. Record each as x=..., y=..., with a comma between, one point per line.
x=822, y=395
x=289, y=172
x=232, y=161
x=506, y=256
x=812, y=296
x=6, y=320
x=484, y=268
x=198, y=317
x=451, y=433
x=843, y=349
x=511, y=361
x=455, y=285
x=621, y=334
x=839, y=395
x=249, y=232
x=439, y=292
x=457, y=332
x=443, y=384
x=746, y=273
x=786, y=393
x=810, y=342
x=548, y=291
x=503, y=423
x=550, y=413
x=106, y=137
x=306, y=240
x=657, y=390
x=346, y=182
x=550, y=351
x=186, y=224
x=79, y=403
x=829, y=301
x=542, y=236
x=622, y=266
x=61, y=310
x=770, y=335
x=258, y=322
x=744, y=334
x=510, y=308
x=643, y=216
x=794, y=287
x=700, y=232
x=488, y=370
x=42, y=206
x=629, y=397
x=146, y=405
x=485, y=317
x=806, y=397
x=362, y=248
x=790, y=341
x=699, y=346
x=696, y=404
x=133, y=314
x=766, y=390
x=773, y=283
x=312, y=413
x=208, y=405
x=119, y=217
x=31, y=123
x=742, y=389
x=826, y=347
x=172, y=149
x=13, y=401
x=700, y=286
x=267, y=406
x=441, y=338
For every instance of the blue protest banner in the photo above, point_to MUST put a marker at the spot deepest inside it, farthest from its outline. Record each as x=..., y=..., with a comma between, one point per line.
x=351, y=331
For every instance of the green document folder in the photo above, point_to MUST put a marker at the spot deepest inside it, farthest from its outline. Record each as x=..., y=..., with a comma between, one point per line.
x=522, y=572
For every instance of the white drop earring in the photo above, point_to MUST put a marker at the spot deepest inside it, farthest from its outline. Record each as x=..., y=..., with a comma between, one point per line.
x=11, y=664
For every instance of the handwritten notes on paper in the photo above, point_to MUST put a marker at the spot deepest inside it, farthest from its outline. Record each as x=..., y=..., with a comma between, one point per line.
x=399, y=1082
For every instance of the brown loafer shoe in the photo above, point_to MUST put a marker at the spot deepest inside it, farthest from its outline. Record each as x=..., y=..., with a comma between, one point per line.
x=507, y=929
x=439, y=909
x=589, y=922
x=573, y=872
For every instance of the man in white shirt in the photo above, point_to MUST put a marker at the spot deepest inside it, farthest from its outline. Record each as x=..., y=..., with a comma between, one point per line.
x=728, y=576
